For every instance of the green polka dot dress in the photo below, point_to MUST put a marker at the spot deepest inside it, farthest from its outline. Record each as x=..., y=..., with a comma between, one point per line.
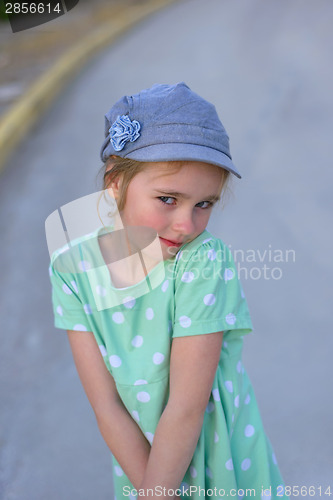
x=195, y=293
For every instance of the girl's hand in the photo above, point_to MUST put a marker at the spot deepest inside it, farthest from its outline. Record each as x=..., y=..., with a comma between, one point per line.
x=193, y=365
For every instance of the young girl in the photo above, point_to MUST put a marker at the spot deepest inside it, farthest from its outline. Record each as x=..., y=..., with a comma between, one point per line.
x=155, y=312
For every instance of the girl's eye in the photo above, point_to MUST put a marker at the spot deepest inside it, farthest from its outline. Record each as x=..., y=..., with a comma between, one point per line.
x=204, y=204
x=167, y=200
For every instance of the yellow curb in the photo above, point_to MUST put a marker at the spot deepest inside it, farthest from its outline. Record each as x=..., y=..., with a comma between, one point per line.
x=21, y=117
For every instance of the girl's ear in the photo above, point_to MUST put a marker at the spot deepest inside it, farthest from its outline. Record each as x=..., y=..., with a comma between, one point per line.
x=115, y=187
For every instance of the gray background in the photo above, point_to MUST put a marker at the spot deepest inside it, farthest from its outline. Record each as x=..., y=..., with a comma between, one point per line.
x=267, y=67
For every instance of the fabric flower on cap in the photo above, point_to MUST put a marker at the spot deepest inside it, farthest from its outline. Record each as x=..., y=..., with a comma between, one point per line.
x=122, y=131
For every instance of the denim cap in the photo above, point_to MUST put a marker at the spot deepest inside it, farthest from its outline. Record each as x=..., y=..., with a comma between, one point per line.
x=167, y=123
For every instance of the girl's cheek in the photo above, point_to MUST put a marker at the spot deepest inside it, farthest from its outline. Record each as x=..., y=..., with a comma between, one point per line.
x=154, y=219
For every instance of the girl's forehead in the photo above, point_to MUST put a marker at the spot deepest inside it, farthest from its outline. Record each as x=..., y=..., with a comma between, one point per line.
x=162, y=173
x=187, y=179
x=168, y=171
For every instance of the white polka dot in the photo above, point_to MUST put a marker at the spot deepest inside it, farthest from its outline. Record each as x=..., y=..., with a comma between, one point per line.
x=185, y=321
x=87, y=309
x=149, y=436
x=115, y=361
x=165, y=285
x=66, y=289
x=158, y=358
x=137, y=341
x=149, y=313
x=216, y=437
x=187, y=277
x=236, y=401
x=230, y=319
x=229, y=465
x=50, y=271
x=84, y=265
x=211, y=254
x=140, y=381
x=103, y=350
x=132, y=497
x=74, y=285
x=249, y=430
x=247, y=399
x=118, y=470
x=143, y=397
x=210, y=407
x=242, y=293
x=100, y=290
x=80, y=328
x=225, y=344
x=60, y=311
x=274, y=458
x=209, y=299
x=169, y=326
x=179, y=255
x=184, y=487
x=228, y=274
x=193, y=471
x=246, y=464
x=118, y=317
x=216, y=394
x=206, y=240
x=129, y=302
x=239, y=366
x=136, y=415
x=232, y=419
x=229, y=385
x=209, y=473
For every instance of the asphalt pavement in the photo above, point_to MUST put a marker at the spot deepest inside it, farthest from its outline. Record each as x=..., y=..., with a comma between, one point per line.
x=267, y=67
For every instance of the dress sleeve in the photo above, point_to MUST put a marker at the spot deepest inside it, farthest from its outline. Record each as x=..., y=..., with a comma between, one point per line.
x=70, y=313
x=208, y=294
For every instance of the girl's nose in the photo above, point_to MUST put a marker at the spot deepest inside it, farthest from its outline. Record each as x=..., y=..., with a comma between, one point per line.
x=184, y=223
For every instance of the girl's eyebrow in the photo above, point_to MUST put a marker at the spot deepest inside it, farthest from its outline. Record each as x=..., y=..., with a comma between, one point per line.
x=177, y=194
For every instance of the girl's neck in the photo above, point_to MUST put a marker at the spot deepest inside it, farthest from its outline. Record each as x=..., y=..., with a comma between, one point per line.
x=130, y=253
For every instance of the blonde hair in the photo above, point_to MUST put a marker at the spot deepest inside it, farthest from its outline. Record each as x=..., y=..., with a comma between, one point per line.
x=127, y=169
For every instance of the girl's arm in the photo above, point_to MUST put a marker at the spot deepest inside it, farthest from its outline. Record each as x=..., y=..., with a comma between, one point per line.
x=193, y=365
x=120, y=432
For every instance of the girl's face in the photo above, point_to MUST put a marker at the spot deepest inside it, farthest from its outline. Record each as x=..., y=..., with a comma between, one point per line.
x=176, y=204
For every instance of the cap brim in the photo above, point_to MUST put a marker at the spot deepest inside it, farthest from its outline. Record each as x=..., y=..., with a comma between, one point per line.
x=183, y=152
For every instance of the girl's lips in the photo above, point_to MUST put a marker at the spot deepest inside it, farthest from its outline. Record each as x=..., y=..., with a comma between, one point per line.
x=170, y=243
